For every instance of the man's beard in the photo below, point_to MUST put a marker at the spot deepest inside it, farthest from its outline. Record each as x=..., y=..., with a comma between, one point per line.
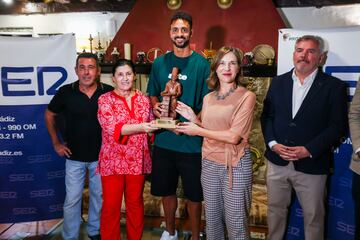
x=184, y=45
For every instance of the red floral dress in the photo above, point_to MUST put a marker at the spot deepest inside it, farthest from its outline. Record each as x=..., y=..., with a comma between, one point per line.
x=123, y=154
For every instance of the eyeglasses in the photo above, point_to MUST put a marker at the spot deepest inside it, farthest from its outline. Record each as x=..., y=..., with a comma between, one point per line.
x=230, y=64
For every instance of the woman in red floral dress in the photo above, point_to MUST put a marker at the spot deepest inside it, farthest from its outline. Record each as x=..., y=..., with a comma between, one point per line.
x=125, y=117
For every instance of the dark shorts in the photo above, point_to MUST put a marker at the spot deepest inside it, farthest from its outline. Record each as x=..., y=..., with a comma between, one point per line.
x=168, y=165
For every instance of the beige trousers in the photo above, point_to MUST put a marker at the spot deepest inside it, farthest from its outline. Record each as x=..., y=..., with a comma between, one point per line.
x=311, y=193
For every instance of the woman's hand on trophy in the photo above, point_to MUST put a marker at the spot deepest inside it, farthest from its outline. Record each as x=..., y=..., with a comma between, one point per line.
x=148, y=127
x=186, y=111
x=188, y=128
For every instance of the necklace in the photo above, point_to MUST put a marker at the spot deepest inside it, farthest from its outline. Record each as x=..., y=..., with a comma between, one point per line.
x=225, y=95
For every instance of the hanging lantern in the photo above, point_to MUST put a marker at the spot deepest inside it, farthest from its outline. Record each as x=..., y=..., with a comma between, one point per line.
x=173, y=4
x=224, y=4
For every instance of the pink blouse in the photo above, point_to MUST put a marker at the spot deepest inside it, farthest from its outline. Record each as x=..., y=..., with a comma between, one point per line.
x=123, y=154
x=235, y=113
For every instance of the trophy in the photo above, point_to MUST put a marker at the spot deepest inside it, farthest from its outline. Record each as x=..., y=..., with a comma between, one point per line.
x=169, y=102
x=209, y=54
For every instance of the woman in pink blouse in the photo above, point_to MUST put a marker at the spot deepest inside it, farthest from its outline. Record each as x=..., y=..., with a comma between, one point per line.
x=225, y=124
x=124, y=115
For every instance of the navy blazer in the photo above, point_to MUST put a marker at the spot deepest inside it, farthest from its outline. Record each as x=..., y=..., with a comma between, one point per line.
x=318, y=125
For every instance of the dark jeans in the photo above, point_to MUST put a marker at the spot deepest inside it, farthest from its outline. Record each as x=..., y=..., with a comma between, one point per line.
x=356, y=196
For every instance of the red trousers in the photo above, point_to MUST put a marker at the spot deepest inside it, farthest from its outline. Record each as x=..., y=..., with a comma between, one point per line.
x=114, y=187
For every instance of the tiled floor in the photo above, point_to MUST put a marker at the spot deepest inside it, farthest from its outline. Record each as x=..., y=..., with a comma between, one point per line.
x=28, y=230
x=149, y=233
x=51, y=230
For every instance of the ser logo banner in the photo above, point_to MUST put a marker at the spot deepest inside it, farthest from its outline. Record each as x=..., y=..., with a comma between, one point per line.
x=30, y=85
x=349, y=74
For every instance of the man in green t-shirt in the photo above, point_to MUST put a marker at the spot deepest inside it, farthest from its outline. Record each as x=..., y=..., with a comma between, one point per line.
x=174, y=154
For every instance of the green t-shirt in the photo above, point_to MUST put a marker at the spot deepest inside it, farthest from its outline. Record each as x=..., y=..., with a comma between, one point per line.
x=193, y=73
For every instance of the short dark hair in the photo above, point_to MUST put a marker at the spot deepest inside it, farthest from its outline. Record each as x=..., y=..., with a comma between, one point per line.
x=123, y=62
x=182, y=15
x=87, y=55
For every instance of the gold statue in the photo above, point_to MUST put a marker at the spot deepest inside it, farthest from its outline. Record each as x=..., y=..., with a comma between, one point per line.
x=209, y=53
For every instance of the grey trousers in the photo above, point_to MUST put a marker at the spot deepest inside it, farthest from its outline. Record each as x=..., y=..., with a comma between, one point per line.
x=227, y=209
x=311, y=192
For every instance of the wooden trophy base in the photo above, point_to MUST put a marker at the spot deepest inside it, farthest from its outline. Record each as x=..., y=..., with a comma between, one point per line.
x=166, y=123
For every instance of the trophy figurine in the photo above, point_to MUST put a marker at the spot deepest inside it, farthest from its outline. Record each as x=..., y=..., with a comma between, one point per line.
x=169, y=102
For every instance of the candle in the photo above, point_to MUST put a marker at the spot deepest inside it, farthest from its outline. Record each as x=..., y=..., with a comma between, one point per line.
x=127, y=51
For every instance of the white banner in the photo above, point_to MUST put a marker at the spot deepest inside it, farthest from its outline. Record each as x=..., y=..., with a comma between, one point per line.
x=32, y=69
x=342, y=45
x=31, y=173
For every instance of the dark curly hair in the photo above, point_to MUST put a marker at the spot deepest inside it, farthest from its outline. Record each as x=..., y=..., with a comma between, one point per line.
x=182, y=15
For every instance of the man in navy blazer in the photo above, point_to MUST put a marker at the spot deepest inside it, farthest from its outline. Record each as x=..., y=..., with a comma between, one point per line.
x=304, y=117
